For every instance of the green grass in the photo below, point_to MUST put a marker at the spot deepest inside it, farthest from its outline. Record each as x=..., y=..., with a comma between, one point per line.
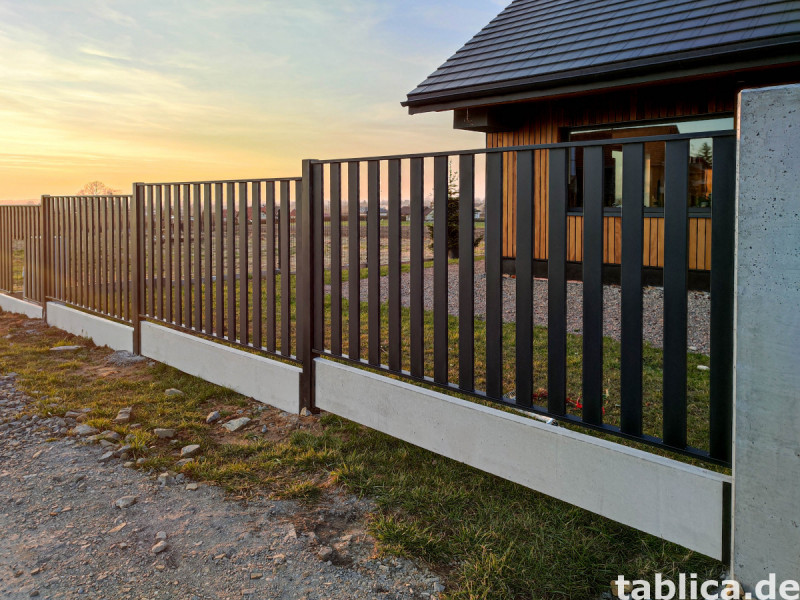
x=490, y=538
x=698, y=382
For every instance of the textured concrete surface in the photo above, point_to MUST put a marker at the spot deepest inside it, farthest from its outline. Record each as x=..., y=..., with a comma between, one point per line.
x=268, y=381
x=16, y=305
x=767, y=414
x=103, y=332
x=670, y=499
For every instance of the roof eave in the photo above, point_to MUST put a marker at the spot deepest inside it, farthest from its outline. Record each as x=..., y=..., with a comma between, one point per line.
x=649, y=70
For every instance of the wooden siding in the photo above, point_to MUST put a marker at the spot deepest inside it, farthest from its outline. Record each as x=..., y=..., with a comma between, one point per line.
x=544, y=122
x=653, y=253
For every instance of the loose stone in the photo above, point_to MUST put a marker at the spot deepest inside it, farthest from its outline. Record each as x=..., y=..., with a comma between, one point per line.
x=84, y=430
x=124, y=415
x=236, y=424
x=159, y=547
x=190, y=450
x=125, y=502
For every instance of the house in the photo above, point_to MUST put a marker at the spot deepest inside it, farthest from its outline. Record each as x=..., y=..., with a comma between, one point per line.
x=547, y=71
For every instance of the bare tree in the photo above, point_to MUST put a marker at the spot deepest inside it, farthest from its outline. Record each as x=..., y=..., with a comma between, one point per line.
x=96, y=188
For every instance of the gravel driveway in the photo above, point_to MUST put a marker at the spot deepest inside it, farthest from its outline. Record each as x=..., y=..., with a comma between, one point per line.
x=653, y=302
x=63, y=537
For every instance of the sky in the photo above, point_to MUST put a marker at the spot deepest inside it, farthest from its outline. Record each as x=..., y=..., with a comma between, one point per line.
x=192, y=89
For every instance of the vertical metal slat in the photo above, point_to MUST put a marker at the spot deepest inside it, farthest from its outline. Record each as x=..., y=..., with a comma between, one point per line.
x=318, y=248
x=159, y=231
x=524, y=272
x=244, y=274
x=593, y=285
x=723, y=240
x=395, y=362
x=219, y=232
x=186, y=228
x=208, y=252
x=354, y=259
x=373, y=263
x=440, y=268
x=286, y=270
x=255, y=203
x=494, y=275
x=177, y=220
x=270, y=267
x=336, y=257
x=557, y=285
x=676, y=265
x=230, y=254
x=166, y=213
x=466, y=272
x=631, y=280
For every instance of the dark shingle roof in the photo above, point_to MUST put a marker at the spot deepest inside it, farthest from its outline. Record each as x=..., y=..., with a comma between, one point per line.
x=547, y=42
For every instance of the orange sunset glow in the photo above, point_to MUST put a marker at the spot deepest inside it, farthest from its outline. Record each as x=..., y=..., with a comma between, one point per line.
x=123, y=92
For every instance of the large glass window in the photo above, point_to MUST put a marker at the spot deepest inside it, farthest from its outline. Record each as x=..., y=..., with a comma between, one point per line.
x=701, y=161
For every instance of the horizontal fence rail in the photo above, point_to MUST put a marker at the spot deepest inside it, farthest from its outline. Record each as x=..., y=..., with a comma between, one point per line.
x=385, y=263
x=457, y=323
x=218, y=258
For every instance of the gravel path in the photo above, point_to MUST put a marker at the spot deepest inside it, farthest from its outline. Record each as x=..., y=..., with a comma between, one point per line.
x=653, y=302
x=63, y=537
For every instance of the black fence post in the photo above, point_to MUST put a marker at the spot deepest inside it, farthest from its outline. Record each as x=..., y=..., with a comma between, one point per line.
x=137, y=297
x=305, y=286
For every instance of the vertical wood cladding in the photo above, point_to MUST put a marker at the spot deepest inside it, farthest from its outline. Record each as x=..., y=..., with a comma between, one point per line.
x=547, y=121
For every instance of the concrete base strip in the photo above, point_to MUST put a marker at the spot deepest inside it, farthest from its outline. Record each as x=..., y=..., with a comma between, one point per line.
x=102, y=332
x=268, y=381
x=23, y=307
x=669, y=499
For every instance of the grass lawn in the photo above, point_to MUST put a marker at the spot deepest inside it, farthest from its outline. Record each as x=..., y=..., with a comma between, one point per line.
x=491, y=539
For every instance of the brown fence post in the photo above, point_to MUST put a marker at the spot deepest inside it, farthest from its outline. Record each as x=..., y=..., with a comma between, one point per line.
x=305, y=288
x=138, y=266
x=44, y=254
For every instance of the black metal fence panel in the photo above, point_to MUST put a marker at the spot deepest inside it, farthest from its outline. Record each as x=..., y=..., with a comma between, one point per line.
x=386, y=263
x=440, y=310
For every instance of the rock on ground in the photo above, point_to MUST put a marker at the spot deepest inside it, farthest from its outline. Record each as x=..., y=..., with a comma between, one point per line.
x=236, y=424
x=63, y=537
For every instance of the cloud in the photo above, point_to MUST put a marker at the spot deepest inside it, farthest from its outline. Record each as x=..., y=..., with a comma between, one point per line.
x=197, y=86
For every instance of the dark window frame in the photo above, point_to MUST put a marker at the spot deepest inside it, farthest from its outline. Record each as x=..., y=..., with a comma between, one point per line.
x=649, y=211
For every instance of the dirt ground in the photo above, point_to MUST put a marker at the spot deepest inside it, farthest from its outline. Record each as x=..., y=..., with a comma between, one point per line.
x=63, y=536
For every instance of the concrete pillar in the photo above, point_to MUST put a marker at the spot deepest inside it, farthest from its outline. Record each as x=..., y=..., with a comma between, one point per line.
x=766, y=509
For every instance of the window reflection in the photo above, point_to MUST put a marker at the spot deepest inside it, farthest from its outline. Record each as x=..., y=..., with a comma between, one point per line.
x=701, y=161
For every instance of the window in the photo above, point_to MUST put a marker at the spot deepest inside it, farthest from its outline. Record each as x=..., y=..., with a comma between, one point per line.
x=701, y=160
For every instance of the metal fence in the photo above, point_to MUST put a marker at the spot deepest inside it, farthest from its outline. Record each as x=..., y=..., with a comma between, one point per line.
x=216, y=258
x=20, y=251
x=87, y=243
x=410, y=324
x=228, y=259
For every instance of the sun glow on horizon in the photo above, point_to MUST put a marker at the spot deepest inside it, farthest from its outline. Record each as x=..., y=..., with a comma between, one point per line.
x=147, y=91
